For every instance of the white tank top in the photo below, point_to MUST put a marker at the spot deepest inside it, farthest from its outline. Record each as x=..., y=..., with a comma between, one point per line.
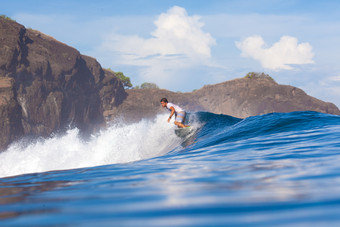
x=177, y=108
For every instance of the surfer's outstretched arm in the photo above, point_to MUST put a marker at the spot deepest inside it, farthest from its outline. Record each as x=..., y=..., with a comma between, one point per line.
x=171, y=114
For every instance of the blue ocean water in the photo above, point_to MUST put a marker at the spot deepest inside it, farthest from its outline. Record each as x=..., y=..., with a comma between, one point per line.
x=279, y=169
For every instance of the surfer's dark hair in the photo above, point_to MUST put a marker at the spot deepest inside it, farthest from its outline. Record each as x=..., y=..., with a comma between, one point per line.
x=164, y=100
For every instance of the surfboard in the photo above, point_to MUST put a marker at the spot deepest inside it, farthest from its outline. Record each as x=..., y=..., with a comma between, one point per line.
x=183, y=132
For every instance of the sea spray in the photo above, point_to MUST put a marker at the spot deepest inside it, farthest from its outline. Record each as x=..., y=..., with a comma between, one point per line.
x=119, y=143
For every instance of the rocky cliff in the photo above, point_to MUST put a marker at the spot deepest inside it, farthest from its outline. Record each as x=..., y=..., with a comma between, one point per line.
x=239, y=98
x=46, y=85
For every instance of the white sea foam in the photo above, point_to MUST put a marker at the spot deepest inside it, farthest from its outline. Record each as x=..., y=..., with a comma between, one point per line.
x=117, y=144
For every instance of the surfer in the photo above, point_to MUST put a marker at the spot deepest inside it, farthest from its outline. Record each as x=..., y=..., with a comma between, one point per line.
x=174, y=109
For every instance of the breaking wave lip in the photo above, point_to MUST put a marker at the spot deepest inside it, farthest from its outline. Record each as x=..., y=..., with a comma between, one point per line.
x=119, y=143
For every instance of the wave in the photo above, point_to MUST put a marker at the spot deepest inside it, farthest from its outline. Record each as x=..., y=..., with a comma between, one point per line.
x=122, y=143
x=220, y=129
x=119, y=143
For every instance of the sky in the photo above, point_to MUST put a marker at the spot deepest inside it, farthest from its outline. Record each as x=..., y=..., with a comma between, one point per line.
x=184, y=45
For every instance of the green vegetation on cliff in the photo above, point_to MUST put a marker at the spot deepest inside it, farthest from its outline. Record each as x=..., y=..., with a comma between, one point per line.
x=255, y=75
x=6, y=17
x=124, y=79
x=147, y=85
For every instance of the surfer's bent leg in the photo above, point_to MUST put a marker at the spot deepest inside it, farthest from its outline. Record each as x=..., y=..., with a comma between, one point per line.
x=180, y=119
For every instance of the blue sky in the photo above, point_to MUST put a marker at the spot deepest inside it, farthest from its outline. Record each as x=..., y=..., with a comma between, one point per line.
x=183, y=45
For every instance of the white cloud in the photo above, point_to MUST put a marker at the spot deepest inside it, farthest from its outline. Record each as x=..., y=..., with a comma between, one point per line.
x=281, y=55
x=177, y=42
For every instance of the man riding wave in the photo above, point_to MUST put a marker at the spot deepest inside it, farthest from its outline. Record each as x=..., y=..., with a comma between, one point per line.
x=180, y=114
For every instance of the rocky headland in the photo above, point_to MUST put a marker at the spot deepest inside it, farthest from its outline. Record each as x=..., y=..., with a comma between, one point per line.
x=244, y=97
x=47, y=86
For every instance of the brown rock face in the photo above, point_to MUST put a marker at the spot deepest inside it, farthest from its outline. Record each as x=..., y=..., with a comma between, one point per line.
x=239, y=98
x=145, y=103
x=10, y=117
x=46, y=85
x=254, y=96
